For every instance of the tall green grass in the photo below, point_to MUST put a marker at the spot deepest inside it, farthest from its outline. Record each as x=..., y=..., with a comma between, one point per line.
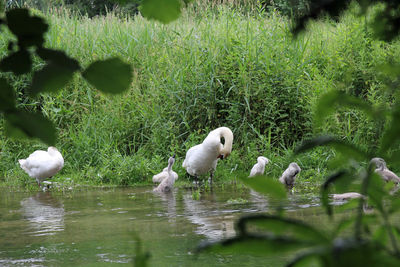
x=215, y=66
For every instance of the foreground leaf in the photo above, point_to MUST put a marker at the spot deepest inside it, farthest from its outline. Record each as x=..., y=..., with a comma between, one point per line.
x=164, y=11
x=348, y=150
x=7, y=97
x=283, y=227
x=50, y=78
x=327, y=102
x=28, y=29
x=261, y=245
x=32, y=125
x=109, y=76
x=392, y=133
x=265, y=185
x=325, y=187
x=19, y=62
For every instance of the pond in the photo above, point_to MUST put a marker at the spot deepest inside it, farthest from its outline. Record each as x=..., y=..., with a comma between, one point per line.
x=102, y=226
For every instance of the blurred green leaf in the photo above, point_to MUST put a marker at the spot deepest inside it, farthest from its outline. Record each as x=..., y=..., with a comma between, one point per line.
x=344, y=224
x=109, y=76
x=309, y=258
x=392, y=133
x=50, y=78
x=56, y=74
x=32, y=125
x=7, y=97
x=394, y=206
x=142, y=257
x=19, y=62
x=252, y=244
x=380, y=235
x=348, y=150
x=376, y=190
x=327, y=102
x=57, y=57
x=325, y=187
x=164, y=11
x=280, y=226
x=265, y=185
x=350, y=205
x=28, y=29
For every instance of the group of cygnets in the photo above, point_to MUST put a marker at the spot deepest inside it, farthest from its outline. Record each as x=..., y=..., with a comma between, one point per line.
x=200, y=159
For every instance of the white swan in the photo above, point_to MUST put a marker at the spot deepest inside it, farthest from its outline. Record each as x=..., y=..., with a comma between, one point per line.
x=167, y=184
x=259, y=167
x=346, y=196
x=289, y=175
x=158, y=178
x=386, y=174
x=203, y=158
x=42, y=164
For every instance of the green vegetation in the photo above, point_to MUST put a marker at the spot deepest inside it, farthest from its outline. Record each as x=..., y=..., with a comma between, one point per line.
x=370, y=235
x=214, y=66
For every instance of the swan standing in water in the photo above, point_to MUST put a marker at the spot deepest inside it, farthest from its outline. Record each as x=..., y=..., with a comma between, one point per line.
x=386, y=174
x=289, y=175
x=203, y=158
x=167, y=184
x=259, y=167
x=42, y=164
x=158, y=178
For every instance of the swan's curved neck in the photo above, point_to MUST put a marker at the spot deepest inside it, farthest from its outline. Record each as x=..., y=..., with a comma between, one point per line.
x=227, y=134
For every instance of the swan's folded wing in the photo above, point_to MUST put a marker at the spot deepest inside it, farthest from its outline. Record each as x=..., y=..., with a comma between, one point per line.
x=158, y=178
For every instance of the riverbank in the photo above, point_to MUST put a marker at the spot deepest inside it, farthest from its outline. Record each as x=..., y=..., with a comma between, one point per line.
x=224, y=67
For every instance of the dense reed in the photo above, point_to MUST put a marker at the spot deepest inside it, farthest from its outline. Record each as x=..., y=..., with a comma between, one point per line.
x=215, y=66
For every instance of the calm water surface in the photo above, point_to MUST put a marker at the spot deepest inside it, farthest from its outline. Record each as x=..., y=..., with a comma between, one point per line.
x=98, y=227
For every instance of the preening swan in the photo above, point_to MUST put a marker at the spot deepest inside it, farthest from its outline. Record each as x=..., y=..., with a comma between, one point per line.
x=203, y=158
x=259, y=167
x=289, y=175
x=42, y=164
x=158, y=178
x=386, y=174
x=167, y=184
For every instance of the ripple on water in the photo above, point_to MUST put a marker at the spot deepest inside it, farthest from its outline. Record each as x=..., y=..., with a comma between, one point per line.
x=44, y=214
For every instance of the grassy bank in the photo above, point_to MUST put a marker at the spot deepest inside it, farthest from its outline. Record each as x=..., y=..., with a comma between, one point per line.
x=215, y=66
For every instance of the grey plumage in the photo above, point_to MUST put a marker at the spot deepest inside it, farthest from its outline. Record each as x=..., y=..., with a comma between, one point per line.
x=289, y=175
x=383, y=171
x=167, y=184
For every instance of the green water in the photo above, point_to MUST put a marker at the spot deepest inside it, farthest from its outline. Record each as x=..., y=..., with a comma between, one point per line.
x=98, y=227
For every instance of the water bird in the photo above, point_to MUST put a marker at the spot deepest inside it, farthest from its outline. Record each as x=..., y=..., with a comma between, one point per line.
x=203, y=158
x=383, y=171
x=158, y=178
x=346, y=196
x=43, y=164
x=259, y=167
x=289, y=175
x=167, y=184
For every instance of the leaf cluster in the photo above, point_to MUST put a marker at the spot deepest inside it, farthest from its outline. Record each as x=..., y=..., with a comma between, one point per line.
x=110, y=76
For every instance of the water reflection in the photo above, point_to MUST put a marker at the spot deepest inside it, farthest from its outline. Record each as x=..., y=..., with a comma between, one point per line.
x=44, y=213
x=211, y=221
x=169, y=200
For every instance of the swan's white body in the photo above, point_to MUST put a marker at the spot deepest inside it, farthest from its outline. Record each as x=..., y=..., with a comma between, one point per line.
x=289, y=175
x=346, y=196
x=259, y=167
x=203, y=158
x=158, y=178
x=167, y=184
x=386, y=174
x=42, y=164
